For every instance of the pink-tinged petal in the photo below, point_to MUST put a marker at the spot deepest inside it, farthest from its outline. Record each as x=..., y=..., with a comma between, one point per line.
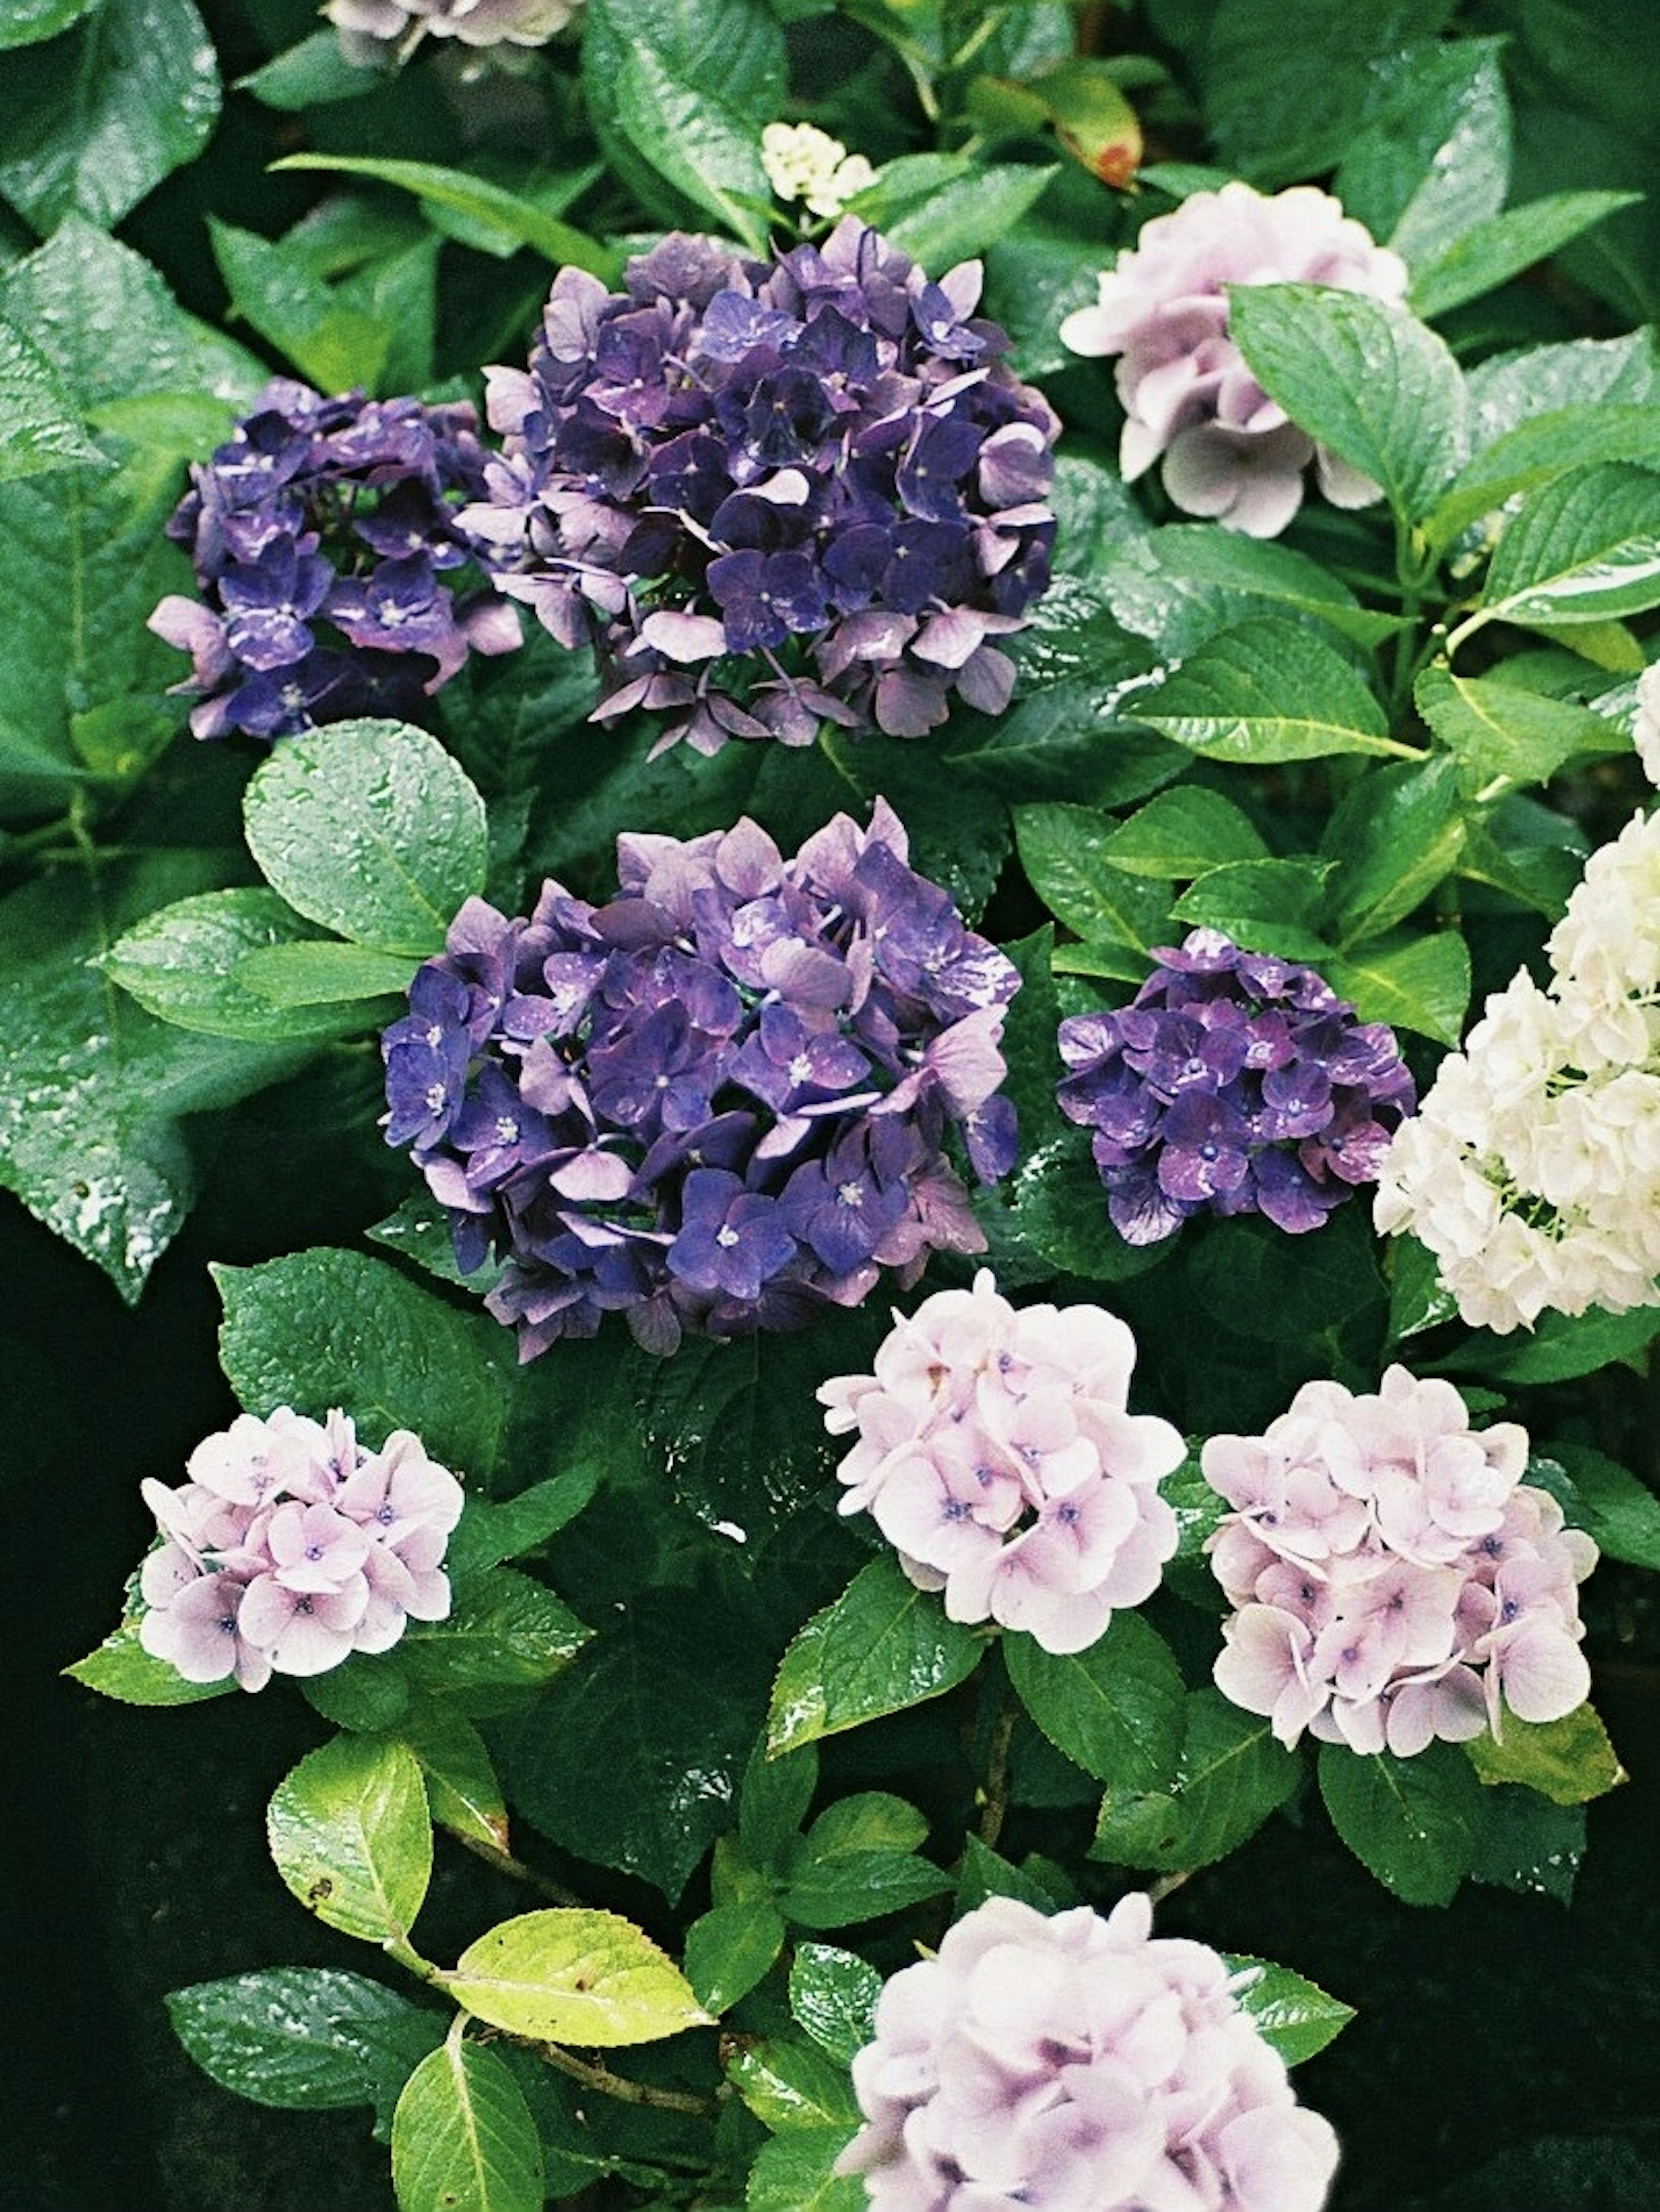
x=684, y=637
x=1279, y=2158
x=198, y=1631
x=1543, y=1673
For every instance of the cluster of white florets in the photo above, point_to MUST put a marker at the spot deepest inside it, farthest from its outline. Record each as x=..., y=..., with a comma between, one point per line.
x=805, y=163
x=1532, y=1167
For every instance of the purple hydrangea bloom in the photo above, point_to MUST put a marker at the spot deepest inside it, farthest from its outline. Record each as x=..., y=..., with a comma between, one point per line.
x=319, y=533
x=718, y=1102
x=1233, y=1083
x=1077, y=2063
x=775, y=495
x=292, y=1545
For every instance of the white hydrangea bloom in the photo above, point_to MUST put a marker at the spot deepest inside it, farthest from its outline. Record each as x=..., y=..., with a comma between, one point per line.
x=1647, y=731
x=805, y=163
x=1532, y=1168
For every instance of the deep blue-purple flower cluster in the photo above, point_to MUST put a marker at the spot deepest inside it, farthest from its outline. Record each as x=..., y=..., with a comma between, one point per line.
x=318, y=533
x=717, y=1102
x=1233, y=1083
x=773, y=495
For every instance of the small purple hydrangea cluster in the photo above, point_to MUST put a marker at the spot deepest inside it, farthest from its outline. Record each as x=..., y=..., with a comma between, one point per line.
x=716, y=1102
x=775, y=496
x=1394, y=1580
x=997, y=1454
x=319, y=533
x=1078, y=2064
x=1233, y=1083
x=291, y=1547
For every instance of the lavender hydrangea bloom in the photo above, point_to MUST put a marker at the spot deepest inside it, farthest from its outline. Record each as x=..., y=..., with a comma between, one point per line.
x=1233, y=1083
x=772, y=496
x=1394, y=1580
x=1228, y=451
x=376, y=31
x=291, y=1547
x=996, y=1453
x=1077, y=2064
x=319, y=533
x=718, y=1102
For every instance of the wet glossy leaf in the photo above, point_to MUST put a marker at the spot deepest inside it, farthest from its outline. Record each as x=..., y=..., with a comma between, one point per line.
x=1067, y=854
x=568, y=1975
x=1602, y=1498
x=1367, y=379
x=1489, y=254
x=1117, y=1709
x=121, y=1668
x=1581, y=549
x=729, y=1949
x=1396, y=835
x=90, y=124
x=504, y=1633
x=833, y=1996
x=304, y=2037
x=1544, y=446
x=1420, y=176
x=882, y=1646
x=1230, y=1776
x=491, y=1532
x=333, y=345
x=322, y=1329
x=962, y=218
x=1188, y=581
x=183, y=965
x=795, y=2174
x=1416, y=1822
x=1180, y=834
x=1528, y=1845
x=315, y=73
x=38, y=430
x=314, y=973
x=1497, y=729
x=1267, y=689
x=1558, y=1347
x=508, y=215
x=25, y=20
x=1267, y=905
x=371, y=828
x=1569, y=1760
x=790, y=2086
x=463, y=1794
x=1296, y=2017
x=1417, y=983
x=350, y=1832
x=1512, y=388
x=463, y=2138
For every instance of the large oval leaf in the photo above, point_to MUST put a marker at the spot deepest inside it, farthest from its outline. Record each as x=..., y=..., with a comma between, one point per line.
x=463, y=2139
x=350, y=1835
x=568, y=1975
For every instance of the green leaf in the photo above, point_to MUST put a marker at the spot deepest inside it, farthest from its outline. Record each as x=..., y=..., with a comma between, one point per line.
x=1267, y=689
x=1296, y=2017
x=501, y=211
x=963, y=215
x=796, y=2173
x=985, y=1873
x=371, y=828
x=1420, y=175
x=1489, y=254
x=1536, y=451
x=1231, y=1776
x=729, y=1949
x=1367, y=379
x=83, y=559
x=568, y=1975
x=322, y=1329
x=25, y=20
x=1181, y=833
x=772, y=1802
x=1236, y=576
x=730, y=52
x=333, y=345
x=463, y=1794
x=1417, y=1301
x=1494, y=728
x=1558, y=1347
x=1418, y=983
x=1239, y=1274
x=1604, y=1499
x=369, y=1694
x=1267, y=906
x=315, y=73
x=1528, y=1845
x=791, y=2085
x=1036, y=274
x=321, y=972
x=183, y=965
x=90, y=125
x=1416, y=1822
x=1396, y=835
x=1580, y=549
x=350, y=1835
x=491, y=1532
x=881, y=1647
x=463, y=2138
x=304, y=2039
x=1066, y=852
x=1117, y=1709
x=38, y=428
x=93, y=1091
x=703, y=148
x=833, y=1996
x=121, y=1668
x=851, y=1886
x=1586, y=375
x=1569, y=1760
x=503, y=1633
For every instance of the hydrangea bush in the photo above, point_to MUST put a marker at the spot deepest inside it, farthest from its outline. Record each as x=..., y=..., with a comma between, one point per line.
x=844, y=1360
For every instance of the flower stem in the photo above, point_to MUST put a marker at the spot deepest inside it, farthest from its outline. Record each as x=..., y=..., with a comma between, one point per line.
x=994, y=1796
x=596, y=2076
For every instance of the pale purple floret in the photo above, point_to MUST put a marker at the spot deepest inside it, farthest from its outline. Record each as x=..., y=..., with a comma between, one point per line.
x=293, y=1545
x=719, y=1102
x=318, y=533
x=1077, y=2064
x=773, y=495
x=1228, y=451
x=1233, y=1083
x=1393, y=1579
x=996, y=1453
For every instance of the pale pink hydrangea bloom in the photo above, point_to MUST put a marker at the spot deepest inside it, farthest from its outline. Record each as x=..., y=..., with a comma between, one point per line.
x=996, y=1453
x=1077, y=2064
x=371, y=30
x=291, y=1547
x=1230, y=452
x=1394, y=1580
